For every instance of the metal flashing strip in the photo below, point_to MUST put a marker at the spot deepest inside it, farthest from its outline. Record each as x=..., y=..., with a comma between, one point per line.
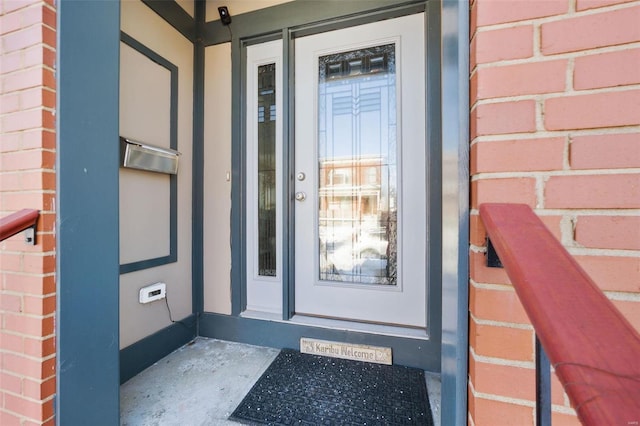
x=173, y=143
x=435, y=201
x=455, y=279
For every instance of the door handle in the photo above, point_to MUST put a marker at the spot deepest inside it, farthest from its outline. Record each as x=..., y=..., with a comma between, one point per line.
x=301, y=196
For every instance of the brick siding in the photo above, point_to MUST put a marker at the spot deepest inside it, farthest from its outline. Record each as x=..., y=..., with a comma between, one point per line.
x=27, y=180
x=555, y=124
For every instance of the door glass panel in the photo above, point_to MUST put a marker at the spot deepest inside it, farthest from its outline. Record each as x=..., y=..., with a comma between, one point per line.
x=357, y=166
x=267, y=170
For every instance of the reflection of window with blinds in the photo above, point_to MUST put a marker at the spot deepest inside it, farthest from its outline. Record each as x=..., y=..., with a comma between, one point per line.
x=341, y=176
x=267, y=170
x=372, y=175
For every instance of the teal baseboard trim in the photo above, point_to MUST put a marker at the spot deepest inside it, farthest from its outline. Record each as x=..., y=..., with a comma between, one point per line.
x=144, y=353
x=418, y=353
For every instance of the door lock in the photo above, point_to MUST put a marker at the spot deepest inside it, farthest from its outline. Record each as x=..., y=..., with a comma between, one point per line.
x=301, y=176
x=301, y=196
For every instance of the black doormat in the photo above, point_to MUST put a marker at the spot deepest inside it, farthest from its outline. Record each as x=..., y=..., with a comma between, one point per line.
x=303, y=389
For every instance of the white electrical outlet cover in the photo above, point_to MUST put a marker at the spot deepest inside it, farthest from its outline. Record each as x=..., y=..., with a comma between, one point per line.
x=153, y=292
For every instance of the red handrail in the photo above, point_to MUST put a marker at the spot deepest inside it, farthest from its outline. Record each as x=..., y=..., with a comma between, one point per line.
x=595, y=351
x=17, y=222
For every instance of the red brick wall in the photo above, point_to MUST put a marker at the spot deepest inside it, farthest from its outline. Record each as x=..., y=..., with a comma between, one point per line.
x=27, y=180
x=555, y=124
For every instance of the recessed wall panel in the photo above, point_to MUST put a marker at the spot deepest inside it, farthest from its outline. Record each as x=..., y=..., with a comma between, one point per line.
x=145, y=115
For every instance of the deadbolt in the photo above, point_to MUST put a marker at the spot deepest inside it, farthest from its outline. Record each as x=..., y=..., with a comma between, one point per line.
x=301, y=176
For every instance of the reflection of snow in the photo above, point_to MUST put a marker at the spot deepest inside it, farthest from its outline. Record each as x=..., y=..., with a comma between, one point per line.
x=348, y=254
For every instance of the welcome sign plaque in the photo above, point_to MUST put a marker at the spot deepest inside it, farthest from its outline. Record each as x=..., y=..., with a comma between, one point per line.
x=375, y=354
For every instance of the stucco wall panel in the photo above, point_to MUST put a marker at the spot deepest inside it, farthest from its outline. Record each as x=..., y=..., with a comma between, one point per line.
x=138, y=321
x=217, y=186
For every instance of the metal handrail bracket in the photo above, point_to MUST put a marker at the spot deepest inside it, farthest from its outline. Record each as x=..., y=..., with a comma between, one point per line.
x=23, y=220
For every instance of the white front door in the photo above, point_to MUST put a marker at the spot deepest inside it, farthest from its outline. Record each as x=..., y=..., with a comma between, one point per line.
x=360, y=169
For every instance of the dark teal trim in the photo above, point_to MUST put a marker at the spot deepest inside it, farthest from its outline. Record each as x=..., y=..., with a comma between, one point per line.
x=364, y=17
x=215, y=33
x=238, y=184
x=144, y=353
x=173, y=144
x=288, y=162
x=175, y=16
x=299, y=13
x=433, y=120
x=146, y=264
x=197, y=190
x=275, y=334
x=87, y=246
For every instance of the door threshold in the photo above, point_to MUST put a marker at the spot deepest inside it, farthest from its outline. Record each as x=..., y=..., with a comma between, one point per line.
x=261, y=315
x=336, y=324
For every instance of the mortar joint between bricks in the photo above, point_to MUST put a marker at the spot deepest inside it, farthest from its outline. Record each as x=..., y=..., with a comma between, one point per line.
x=541, y=181
x=566, y=156
x=568, y=230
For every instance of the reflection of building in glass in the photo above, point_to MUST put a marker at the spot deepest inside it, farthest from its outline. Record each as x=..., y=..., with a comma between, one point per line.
x=352, y=188
x=357, y=220
x=357, y=147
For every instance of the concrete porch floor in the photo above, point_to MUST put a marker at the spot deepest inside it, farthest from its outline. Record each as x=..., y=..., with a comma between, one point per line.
x=203, y=382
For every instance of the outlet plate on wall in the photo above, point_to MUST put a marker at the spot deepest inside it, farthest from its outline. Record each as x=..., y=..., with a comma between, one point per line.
x=153, y=292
